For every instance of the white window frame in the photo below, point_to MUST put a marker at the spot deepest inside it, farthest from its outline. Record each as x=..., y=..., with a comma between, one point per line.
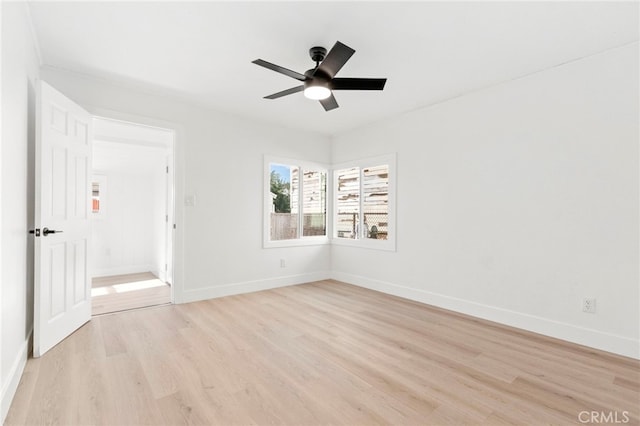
x=390, y=243
x=268, y=202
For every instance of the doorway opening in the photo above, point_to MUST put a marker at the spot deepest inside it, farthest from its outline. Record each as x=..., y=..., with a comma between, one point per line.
x=132, y=212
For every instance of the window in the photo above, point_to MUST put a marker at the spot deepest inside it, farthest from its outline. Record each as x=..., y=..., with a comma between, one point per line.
x=364, y=203
x=98, y=195
x=295, y=203
x=347, y=202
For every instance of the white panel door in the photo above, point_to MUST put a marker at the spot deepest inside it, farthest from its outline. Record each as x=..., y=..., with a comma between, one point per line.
x=62, y=293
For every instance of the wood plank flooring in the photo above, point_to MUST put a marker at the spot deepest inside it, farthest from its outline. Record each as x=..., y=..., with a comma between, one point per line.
x=316, y=354
x=131, y=291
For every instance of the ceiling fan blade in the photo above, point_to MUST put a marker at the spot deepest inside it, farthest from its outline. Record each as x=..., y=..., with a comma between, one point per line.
x=358, y=83
x=335, y=59
x=329, y=103
x=281, y=70
x=285, y=92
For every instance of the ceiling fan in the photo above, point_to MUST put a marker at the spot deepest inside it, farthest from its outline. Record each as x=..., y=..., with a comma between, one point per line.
x=320, y=82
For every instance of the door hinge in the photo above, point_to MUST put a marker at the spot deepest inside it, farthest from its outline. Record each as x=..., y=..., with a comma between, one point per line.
x=167, y=169
x=166, y=268
x=166, y=218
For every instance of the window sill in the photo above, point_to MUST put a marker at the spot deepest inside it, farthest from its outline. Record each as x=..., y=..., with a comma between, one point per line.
x=385, y=245
x=307, y=241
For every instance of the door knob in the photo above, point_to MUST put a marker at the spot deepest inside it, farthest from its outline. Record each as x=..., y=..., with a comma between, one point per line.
x=47, y=231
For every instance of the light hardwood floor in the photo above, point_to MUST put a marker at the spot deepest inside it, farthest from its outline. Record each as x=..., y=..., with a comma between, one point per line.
x=320, y=353
x=131, y=291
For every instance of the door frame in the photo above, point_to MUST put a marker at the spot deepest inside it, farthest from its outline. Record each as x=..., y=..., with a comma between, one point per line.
x=176, y=179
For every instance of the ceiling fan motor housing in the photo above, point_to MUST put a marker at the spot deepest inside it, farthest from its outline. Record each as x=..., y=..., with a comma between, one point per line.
x=315, y=74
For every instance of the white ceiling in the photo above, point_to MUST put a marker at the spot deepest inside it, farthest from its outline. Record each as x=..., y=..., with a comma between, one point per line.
x=429, y=51
x=128, y=148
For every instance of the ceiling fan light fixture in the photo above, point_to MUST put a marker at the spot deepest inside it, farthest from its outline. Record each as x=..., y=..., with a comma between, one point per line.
x=317, y=92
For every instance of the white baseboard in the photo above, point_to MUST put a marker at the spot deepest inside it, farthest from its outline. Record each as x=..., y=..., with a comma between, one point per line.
x=583, y=336
x=13, y=379
x=213, y=292
x=122, y=270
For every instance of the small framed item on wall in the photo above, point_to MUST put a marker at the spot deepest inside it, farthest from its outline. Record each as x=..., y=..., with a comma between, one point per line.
x=98, y=196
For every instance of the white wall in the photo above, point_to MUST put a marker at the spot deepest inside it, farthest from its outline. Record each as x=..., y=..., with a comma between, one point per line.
x=19, y=73
x=517, y=201
x=125, y=238
x=219, y=160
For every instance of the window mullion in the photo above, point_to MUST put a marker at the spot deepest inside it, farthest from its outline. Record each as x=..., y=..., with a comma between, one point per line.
x=300, y=203
x=360, y=207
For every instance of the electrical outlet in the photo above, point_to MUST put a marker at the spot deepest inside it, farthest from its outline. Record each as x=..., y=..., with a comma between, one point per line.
x=283, y=264
x=589, y=305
